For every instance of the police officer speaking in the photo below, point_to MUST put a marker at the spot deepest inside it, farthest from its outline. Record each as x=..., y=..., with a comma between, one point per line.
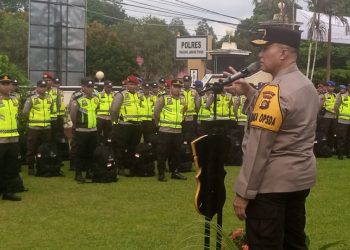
x=279, y=166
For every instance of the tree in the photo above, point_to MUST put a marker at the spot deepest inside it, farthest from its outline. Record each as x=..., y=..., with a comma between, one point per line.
x=14, y=5
x=152, y=39
x=14, y=37
x=177, y=26
x=106, y=51
x=107, y=12
x=6, y=67
x=203, y=29
x=334, y=10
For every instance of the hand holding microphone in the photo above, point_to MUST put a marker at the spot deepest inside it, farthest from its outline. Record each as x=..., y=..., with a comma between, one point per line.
x=238, y=85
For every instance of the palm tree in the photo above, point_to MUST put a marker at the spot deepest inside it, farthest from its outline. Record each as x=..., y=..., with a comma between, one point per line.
x=316, y=32
x=333, y=9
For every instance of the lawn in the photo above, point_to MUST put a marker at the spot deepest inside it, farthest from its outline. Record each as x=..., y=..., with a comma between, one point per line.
x=142, y=213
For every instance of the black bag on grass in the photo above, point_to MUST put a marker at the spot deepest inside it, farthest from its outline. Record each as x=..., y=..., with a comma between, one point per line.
x=186, y=158
x=47, y=162
x=145, y=160
x=105, y=169
x=321, y=148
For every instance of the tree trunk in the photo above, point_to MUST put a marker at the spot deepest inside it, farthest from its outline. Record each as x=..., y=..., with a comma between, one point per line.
x=329, y=48
x=309, y=59
x=314, y=61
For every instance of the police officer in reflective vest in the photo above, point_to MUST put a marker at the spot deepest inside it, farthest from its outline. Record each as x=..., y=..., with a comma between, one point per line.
x=104, y=123
x=342, y=109
x=83, y=114
x=56, y=102
x=147, y=102
x=126, y=118
x=9, y=148
x=204, y=114
x=189, y=126
x=61, y=107
x=168, y=114
x=328, y=120
x=224, y=103
x=37, y=111
x=240, y=116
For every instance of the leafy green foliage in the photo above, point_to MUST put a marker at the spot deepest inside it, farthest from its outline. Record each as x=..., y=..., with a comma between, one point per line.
x=14, y=5
x=9, y=68
x=101, y=11
x=14, y=37
x=106, y=51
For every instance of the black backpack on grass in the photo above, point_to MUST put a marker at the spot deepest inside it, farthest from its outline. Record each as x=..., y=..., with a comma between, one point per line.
x=47, y=161
x=321, y=148
x=104, y=167
x=186, y=158
x=145, y=160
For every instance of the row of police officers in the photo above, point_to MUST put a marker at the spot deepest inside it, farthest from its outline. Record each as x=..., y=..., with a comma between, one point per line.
x=335, y=117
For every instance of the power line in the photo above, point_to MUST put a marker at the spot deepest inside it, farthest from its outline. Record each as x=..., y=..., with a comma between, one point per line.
x=163, y=10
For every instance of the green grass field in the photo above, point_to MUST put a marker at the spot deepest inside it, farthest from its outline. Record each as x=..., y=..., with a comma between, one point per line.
x=142, y=213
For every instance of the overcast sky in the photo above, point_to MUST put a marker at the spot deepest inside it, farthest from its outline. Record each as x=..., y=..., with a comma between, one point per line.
x=235, y=8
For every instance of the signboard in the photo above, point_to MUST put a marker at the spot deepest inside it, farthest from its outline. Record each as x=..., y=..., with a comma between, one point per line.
x=191, y=47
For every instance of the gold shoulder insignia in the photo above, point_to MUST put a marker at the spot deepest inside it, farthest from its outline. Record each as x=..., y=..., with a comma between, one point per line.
x=267, y=113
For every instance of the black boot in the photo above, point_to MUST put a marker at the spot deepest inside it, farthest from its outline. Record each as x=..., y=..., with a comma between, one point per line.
x=178, y=176
x=31, y=170
x=79, y=177
x=161, y=177
x=11, y=197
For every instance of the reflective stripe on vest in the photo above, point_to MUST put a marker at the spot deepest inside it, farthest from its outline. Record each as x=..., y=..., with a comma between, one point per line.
x=329, y=102
x=222, y=107
x=40, y=113
x=62, y=109
x=146, y=107
x=204, y=113
x=189, y=99
x=171, y=115
x=54, y=94
x=130, y=109
x=86, y=116
x=241, y=117
x=344, y=108
x=8, y=117
x=105, y=103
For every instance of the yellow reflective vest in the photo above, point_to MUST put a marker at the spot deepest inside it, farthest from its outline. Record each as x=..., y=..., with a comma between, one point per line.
x=53, y=92
x=146, y=107
x=241, y=117
x=40, y=113
x=171, y=115
x=8, y=117
x=204, y=114
x=329, y=102
x=105, y=103
x=130, y=109
x=86, y=116
x=222, y=107
x=344, y=108
x=62, y=108
x=190, y=101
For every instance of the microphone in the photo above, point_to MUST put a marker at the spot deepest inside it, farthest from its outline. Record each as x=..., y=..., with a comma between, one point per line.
x=251, y=69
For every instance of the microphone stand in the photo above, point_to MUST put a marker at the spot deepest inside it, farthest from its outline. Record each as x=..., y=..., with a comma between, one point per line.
x=217, y=88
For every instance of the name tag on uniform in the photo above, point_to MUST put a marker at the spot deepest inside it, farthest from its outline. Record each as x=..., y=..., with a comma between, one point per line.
x=84, y=103
x=267, y=113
